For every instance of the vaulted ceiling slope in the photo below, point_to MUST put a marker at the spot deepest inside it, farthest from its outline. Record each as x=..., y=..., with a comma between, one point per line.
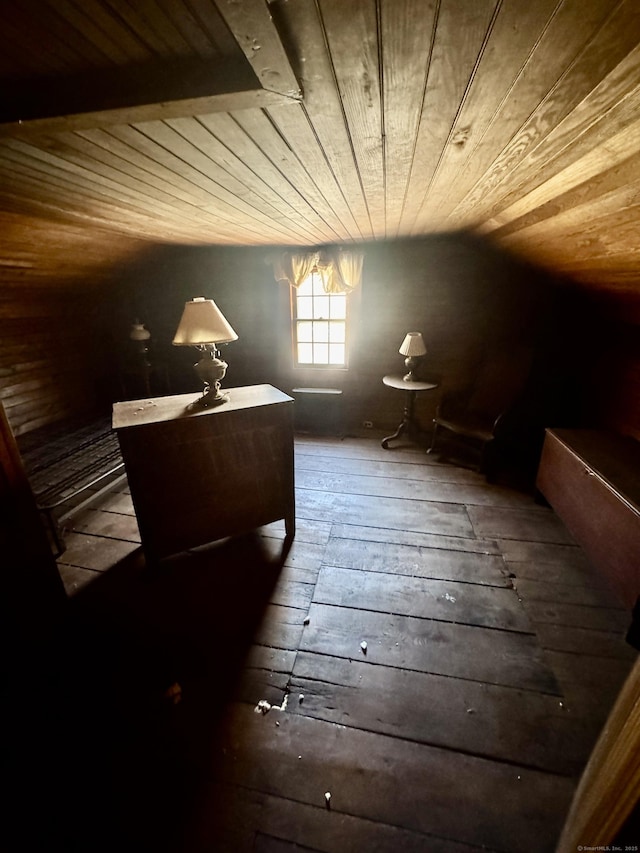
x=305, y=122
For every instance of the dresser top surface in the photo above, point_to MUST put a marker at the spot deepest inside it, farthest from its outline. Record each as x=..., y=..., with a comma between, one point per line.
x=157, y=409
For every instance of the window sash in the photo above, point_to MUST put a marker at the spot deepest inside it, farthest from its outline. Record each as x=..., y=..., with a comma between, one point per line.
x=319, y=327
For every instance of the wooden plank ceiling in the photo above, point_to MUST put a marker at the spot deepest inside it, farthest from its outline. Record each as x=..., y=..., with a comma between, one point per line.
x=306, y=122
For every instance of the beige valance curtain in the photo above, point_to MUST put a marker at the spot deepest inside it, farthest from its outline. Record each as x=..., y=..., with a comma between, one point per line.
x=340, y=269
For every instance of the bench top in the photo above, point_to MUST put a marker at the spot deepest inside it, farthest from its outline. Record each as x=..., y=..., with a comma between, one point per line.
x=613, y=457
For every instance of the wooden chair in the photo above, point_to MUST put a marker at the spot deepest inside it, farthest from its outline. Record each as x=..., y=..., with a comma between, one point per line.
x=480, y=414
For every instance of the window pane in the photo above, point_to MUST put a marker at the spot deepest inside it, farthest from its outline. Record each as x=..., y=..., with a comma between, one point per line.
x=305, y=353
x=321, y=353
x=320, y=331
x=304, y=307
x=336, y=333
x=306, y=288
x=321, y=307
x=305, y=331
x=318, y=289
x=339, y=306
x=336, y=354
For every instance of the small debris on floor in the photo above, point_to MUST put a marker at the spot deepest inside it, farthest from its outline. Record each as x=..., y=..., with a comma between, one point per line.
x=450, y=598
x=301, y=698
x=363, y=646
x=306, y=620
x=277, y=722
x=471, y=710
x=263, y=707
x=327, y=799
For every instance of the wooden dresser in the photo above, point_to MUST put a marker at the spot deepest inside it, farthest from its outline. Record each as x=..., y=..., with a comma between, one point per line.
x=199, y=474
x=591, y=478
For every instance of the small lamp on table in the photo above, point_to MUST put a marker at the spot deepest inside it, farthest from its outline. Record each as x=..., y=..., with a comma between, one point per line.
x=204, y=326
x=413, y=348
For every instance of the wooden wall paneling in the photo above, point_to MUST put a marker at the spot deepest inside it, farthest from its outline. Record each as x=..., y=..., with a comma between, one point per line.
x=98, y=149
x=48, y=35
x=547, y=91
x=511, y=35
x=89, y=171
x=221, y=181
x=206, y=41
x=110, y=26
x=114, y=41
x=306, y=165
x=353, y=43
x=276, y=161
x=156, y=30
x=601, y=188
x=405, y=52
x=323, y=105
x=118, y=148
x=131, y=216
x=15, y=61
x=301, y=218
x=584, y=241
x=460, y=34
x=34, y=247
x=221, y=163
x=60, y=184
x=151, y=138
x=571, y=218
x=52, y=361
x=602, y=119
x=207, y=17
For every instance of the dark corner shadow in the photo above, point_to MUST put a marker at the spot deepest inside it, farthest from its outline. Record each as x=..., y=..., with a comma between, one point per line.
x=146, y=663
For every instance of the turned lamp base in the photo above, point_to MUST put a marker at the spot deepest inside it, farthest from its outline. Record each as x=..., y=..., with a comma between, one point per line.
x=211, y=370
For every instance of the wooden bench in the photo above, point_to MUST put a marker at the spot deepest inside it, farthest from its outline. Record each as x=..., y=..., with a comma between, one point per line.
x=70, y=466
x=591, y=478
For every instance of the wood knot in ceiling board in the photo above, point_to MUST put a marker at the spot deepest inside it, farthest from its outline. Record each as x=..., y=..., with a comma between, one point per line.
x=461, y=136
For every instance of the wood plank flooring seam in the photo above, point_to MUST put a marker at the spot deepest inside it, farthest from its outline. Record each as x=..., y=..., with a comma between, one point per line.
x=99, y=535
x=460, y=845
x=394, y=530
x=518, y=765
x=427, y=618
x=444, y=578
x=582, y=653
x=463, y=678
x=418, y=467
x=414, y=830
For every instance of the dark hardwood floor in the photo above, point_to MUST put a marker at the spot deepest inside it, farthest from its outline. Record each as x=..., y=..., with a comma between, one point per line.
x=437, y=654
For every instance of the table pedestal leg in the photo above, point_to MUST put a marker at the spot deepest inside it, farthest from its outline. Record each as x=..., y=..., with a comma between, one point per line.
x=407, y=423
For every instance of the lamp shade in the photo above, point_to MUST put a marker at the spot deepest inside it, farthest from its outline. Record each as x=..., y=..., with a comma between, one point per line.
x=413, y=345
x=202, y=323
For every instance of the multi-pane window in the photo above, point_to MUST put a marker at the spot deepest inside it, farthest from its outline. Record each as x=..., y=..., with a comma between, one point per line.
x=319, y=325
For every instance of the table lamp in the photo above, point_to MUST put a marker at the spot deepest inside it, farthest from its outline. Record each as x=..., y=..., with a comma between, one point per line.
x=204, y=326
x=413, y=348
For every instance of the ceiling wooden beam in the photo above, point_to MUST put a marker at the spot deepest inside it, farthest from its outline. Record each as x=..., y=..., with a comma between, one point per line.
x=254, y=29
x=259, y=76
